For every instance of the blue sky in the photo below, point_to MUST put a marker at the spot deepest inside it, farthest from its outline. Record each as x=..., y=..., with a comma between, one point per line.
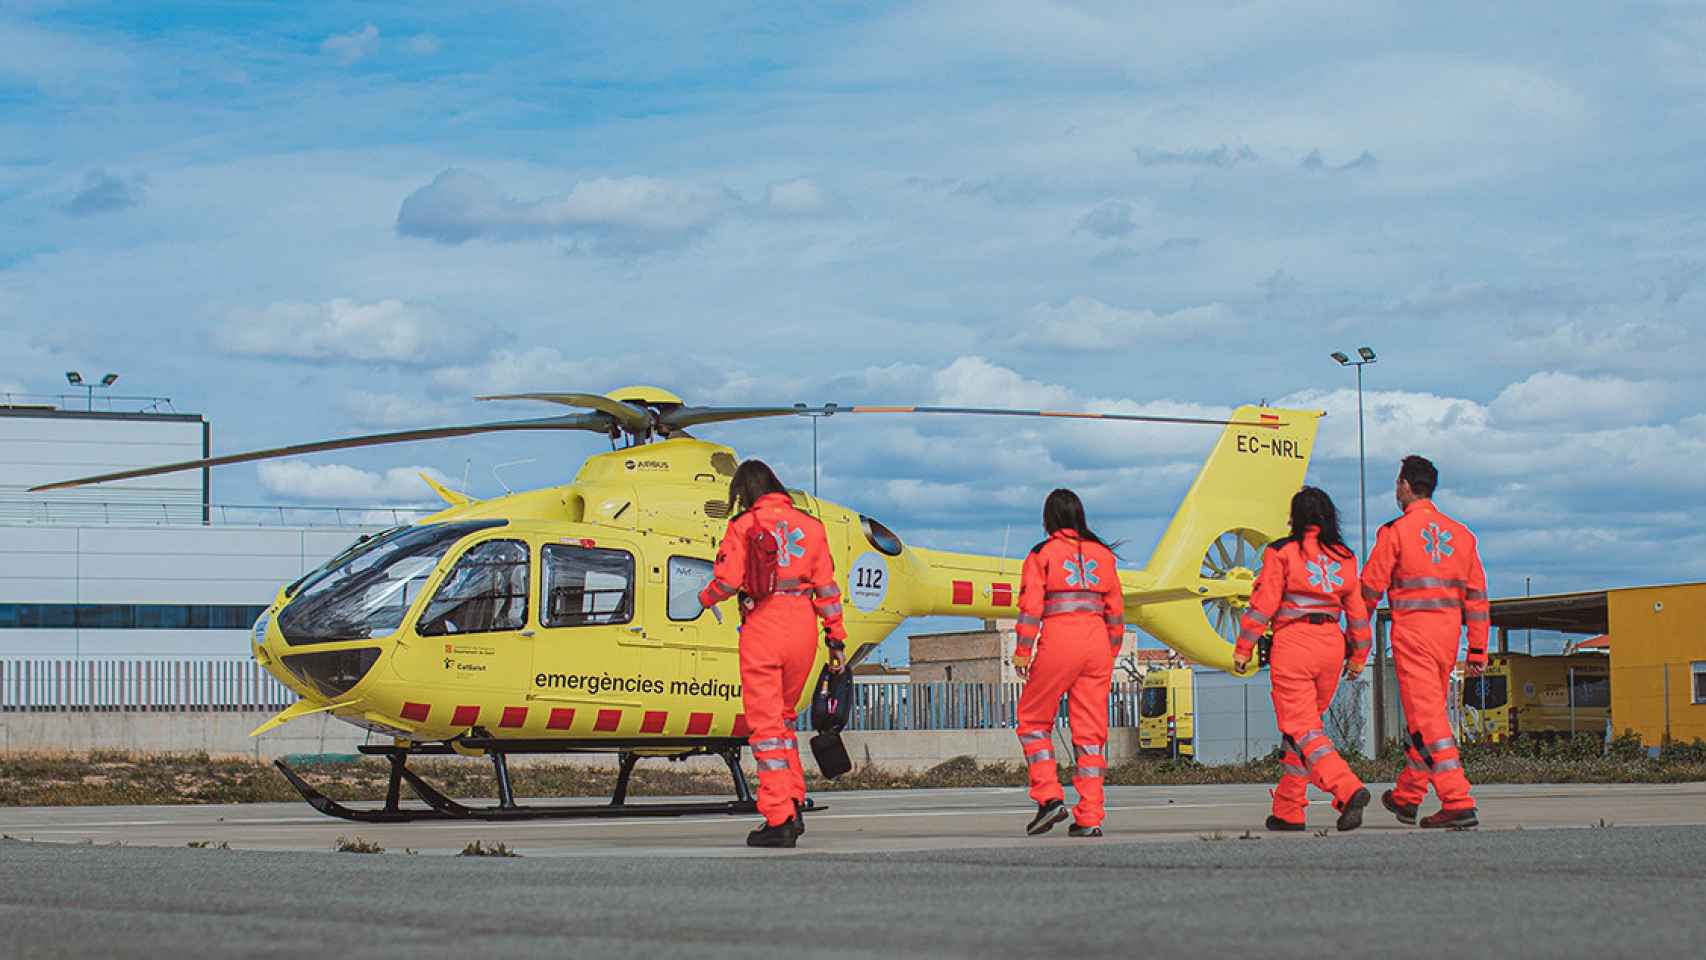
x=311, y=221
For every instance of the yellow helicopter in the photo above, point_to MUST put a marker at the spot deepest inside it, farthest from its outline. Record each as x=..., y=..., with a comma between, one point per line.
x=566, y=619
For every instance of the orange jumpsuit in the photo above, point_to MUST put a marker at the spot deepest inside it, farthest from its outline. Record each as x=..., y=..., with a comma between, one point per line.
x=1429, y=563
x=1301, y=590
x=778, y=638
x=1070, y=594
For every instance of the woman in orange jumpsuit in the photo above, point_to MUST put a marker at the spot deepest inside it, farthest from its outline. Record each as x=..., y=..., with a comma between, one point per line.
x=1071, y=624
x=778, y=560
x=1308, y=579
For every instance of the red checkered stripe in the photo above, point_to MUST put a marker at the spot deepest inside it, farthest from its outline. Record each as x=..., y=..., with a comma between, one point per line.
x=696, y=723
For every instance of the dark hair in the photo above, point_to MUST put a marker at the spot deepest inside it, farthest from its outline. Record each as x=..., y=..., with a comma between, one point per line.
x=1311, y=507
x=752, y=479
x=1064, y=511
x=1420, y=474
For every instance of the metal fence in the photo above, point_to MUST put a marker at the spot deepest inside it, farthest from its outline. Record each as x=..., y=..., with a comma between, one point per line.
x=962, y=706
x=150, y=686
x=233, y=684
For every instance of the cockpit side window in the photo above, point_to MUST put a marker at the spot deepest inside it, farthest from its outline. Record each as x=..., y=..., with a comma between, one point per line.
x=485, y=592
x=587, y=586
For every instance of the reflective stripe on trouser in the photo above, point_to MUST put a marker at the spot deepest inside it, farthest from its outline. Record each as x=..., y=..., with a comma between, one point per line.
x=1424, y=658
x=1090, y=767
x=1072, y=659
x=1304, y=670
x=778, y=645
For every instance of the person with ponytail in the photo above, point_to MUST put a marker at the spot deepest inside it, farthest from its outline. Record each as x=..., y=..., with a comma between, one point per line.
x=777, y=560
x=1071, y=625
x=1308, y=580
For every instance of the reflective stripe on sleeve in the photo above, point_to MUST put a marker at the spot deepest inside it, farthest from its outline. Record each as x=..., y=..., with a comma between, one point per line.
x=828, y=610
x=1026, y=620
x=1474, y=594
x=1370, y=595
x=1308, y=600
x=1477, y=616
x=1295, y=771
x=1257, y=616
x=827, y=591
x=1357, y=623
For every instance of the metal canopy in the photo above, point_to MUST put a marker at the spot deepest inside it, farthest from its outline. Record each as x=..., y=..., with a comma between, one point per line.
x=1564, y=612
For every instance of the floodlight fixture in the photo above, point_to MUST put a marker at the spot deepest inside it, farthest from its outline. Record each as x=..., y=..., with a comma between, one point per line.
x=1366, y=354
x=112, y=378
x=74, y=378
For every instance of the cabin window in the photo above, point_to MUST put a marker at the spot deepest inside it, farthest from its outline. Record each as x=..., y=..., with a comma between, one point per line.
x=587, y=586
x=1486, y=692
x=687, y=576
x=485, y=592
x=1699, y=670
x=1152, y=702
x=1590, y=690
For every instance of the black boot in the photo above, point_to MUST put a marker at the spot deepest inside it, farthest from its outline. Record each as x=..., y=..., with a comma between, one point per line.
x=1048, y=814
x=1452, y=820
x=1351, y=816
x=799, y=819
x=1278, y=825
x=1077, y=830
x=1405, y=812
x=781, y=835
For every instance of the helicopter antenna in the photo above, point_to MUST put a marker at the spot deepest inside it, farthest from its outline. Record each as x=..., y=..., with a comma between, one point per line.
x=467, y=465
x=512, y=463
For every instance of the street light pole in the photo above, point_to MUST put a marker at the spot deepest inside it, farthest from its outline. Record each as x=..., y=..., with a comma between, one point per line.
x=1366, y=357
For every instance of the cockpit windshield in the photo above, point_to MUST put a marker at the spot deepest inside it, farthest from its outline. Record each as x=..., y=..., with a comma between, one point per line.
x=366, y=592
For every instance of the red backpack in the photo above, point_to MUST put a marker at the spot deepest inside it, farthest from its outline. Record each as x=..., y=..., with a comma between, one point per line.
x=762, y=566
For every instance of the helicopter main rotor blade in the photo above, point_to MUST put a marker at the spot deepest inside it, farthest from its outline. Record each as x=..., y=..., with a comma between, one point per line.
x=594, y=422
x=633, y=419
x=1063, y=414
x=684, y=417
x=691, y=416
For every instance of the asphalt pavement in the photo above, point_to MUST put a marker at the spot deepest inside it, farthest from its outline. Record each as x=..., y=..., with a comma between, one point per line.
x=949, y=877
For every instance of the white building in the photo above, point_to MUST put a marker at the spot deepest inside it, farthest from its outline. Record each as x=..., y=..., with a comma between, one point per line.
x=141, y=568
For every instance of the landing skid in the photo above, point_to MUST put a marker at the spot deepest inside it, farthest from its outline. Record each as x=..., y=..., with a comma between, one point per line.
x=441, y=807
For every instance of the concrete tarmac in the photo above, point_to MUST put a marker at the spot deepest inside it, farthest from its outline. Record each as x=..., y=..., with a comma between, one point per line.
x=928, y=873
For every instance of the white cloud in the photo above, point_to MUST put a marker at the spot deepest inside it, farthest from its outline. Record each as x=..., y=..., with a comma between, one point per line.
x=613, y=213
x=1084, y=323
x=798, y=198
x=531, y=369
x=343, y=484
x=423, y=45
x=393, y=410
x=1549, y=397
x=341, y=329
x=347, y=48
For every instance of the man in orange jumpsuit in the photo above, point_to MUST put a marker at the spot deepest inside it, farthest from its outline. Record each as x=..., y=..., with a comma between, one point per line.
x=778, y=634
x=1431, y=567
x=1070, y=597
x=1307, y=580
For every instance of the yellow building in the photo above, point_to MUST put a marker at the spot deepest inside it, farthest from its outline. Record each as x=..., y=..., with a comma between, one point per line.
x=1658, y=662
x=1658, y=654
